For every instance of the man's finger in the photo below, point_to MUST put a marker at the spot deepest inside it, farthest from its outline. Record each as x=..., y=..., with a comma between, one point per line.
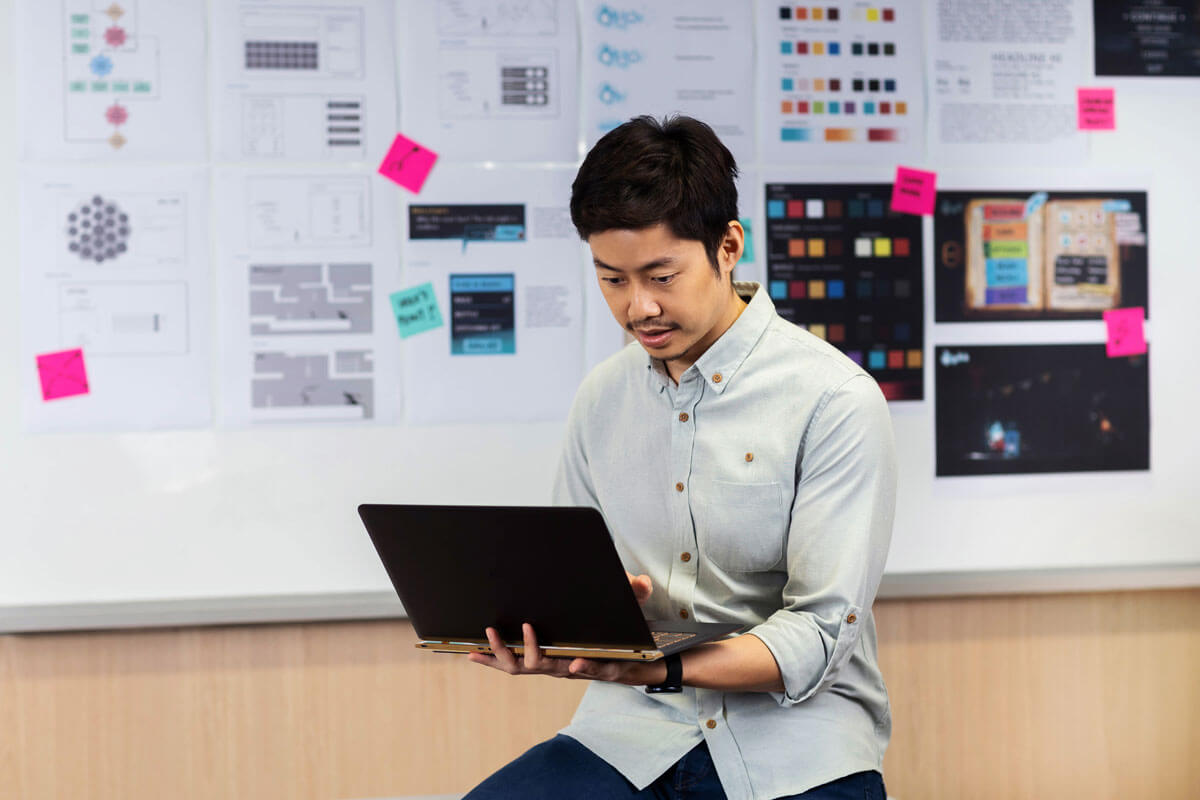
x=504, y=656
x=642, y=587
x=484, y=659
x=533, y=656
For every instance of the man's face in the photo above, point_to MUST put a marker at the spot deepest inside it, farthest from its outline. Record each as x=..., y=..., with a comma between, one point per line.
x=665, y=291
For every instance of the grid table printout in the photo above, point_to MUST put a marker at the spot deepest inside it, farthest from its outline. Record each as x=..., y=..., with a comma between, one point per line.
x=840, y=82
x=843, y=265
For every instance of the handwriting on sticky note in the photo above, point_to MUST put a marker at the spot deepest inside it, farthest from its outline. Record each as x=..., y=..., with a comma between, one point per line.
x=914, y=191
x=1097, y=109
x=407, y=163
x=748, y=251
x=62, y=374
x=1126, y=333
x=416, y=310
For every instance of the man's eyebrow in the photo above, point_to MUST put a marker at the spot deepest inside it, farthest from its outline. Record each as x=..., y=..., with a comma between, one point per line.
x=658, y=262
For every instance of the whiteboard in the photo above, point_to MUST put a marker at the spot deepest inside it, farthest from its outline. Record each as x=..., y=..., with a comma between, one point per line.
x=217, y=526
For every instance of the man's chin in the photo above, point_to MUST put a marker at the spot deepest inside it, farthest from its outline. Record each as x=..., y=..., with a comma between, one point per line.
x=665, y=354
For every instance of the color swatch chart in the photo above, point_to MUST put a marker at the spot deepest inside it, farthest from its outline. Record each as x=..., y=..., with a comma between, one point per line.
x=848, y=269
x=841, y=79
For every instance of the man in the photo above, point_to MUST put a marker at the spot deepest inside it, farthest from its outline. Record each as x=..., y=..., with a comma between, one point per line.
x=746, y=470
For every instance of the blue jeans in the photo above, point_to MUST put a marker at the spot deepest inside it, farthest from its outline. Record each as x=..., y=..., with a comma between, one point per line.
x=563, y=768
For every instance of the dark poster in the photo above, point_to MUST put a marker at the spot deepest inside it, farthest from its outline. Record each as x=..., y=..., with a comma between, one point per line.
x=1040, y=408
x=843, y=265
x=1035, y=255
x=1147, y=38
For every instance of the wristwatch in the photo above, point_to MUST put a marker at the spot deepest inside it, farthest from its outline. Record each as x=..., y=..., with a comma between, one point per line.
x=674, y=682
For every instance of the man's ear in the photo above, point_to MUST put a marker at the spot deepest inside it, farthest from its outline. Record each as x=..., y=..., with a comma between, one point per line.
x=732, y=246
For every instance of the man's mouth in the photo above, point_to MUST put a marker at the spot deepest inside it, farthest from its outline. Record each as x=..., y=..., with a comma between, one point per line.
x=653, y=337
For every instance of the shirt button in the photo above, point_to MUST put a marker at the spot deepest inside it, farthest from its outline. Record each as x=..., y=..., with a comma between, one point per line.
x=679, y=487
x=683, y=613
x=712, y=723
x=749, y=457
x=717, y=378
x=685, y=557
x=851, y=619
x=683, y=417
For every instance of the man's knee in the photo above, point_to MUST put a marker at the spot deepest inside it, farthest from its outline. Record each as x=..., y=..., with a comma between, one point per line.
x=556, y=768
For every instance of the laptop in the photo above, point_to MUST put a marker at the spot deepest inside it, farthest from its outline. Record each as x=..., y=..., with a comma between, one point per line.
x=461, y=569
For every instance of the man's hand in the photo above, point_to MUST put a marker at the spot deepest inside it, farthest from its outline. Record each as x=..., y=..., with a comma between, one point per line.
x=641, y=587
x=533, y=662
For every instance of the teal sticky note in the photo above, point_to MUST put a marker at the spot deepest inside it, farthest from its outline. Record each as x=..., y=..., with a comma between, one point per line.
x=748, y=253
x=416, y=310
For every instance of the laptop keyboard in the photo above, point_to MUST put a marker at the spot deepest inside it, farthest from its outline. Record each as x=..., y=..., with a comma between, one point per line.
x=665, y=638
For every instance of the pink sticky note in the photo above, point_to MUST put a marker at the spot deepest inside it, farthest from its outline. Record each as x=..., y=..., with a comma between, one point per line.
x=62, y=374
x=407, y=163
x=1097, y=110
x=914, y=191
x=1126, y=336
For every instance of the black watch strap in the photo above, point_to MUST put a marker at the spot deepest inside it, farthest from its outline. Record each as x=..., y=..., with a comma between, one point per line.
x=674, y=681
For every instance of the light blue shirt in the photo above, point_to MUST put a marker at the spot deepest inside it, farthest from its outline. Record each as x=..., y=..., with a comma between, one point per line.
x=772, y=467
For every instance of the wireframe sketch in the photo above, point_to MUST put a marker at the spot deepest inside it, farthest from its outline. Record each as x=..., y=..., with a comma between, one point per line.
x=299, y=211
x=310, y=298
x=125, y=318
x=121, y=231
x=111, y=69
x=498, y=18
x=337, y=384
x=98, y=230
x=302, y=41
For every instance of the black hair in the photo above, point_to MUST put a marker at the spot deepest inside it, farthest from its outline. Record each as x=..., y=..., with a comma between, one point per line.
x=645, y=172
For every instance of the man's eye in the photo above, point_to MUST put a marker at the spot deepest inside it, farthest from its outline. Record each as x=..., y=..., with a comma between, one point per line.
x=612, y=281
x=663, y=279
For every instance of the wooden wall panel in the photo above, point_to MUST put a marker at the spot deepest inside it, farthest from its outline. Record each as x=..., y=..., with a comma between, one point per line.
x=1093, y=695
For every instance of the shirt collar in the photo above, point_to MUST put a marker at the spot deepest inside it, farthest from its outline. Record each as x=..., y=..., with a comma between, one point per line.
x=720, y=362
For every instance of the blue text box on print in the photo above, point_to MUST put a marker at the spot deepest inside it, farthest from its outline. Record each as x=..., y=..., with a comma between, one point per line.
x=482, y=315
x=416, y=310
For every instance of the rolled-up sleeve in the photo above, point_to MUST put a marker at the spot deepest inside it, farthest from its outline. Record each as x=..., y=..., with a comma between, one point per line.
x=841, y=526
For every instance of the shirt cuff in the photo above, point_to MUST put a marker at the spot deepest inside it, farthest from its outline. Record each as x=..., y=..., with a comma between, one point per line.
x=809, y=659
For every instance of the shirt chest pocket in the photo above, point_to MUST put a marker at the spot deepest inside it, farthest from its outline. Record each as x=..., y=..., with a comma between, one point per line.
x=741, y=527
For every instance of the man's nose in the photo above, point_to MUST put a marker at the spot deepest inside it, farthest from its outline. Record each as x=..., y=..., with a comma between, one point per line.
x=643, y=305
